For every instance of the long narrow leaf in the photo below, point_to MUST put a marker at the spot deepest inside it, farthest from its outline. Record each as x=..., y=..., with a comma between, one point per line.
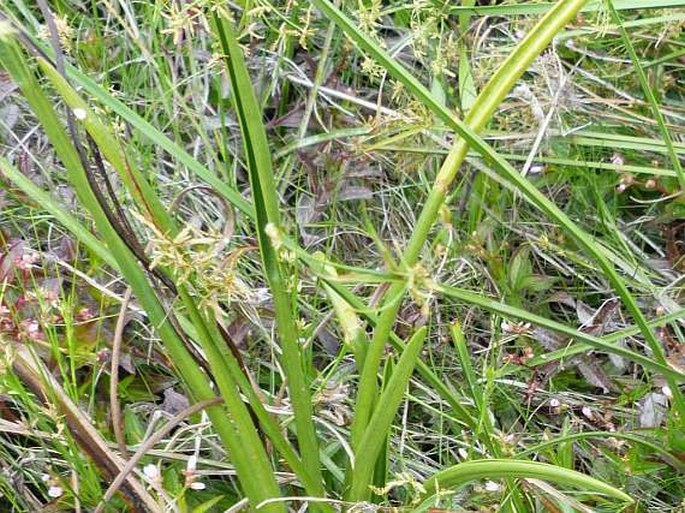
x=266, y=421
x=378, y=429
x=498, y=86
x=651, y=98
x=595, y=342
x=252, y=466
x=263, y=188
x=463, y=473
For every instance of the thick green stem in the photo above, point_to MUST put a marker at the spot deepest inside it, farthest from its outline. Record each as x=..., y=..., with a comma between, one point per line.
x=375, y=436
x=486, y=103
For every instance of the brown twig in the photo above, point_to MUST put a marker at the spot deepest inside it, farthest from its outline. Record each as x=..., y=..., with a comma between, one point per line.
x=31, y=370
x=150, y=443
x=115, y=406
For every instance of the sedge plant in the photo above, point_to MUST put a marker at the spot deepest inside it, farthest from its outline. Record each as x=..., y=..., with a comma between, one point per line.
x=182, y=321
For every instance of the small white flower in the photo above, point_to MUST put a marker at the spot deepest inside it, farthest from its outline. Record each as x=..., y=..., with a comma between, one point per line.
x=554, y=402
x=45, y=478
x=151, y=471
x=197, y=485
x=55, y=491
x=80, y=114
x=491, y=486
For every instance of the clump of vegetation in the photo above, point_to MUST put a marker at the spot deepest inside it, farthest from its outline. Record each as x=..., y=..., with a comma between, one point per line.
x=342, y=256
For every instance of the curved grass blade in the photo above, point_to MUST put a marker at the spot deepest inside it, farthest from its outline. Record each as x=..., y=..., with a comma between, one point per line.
x=463, y=473
x=658, y=449
x=525, y=8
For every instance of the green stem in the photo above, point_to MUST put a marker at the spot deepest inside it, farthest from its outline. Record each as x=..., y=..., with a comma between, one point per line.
x=258, y=155
x=376, y=434
x=490, y=97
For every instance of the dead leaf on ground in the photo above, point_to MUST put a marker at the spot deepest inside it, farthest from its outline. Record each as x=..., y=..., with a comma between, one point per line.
x=653, y=410
x=594, y=323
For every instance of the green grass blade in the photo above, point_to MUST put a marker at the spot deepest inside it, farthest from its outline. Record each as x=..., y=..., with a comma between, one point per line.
x=466, y=367
x=672, y=459
x=525, y=8
x=377, y=431
x=581, y=347
x=649, y=94
x=266, y=421
x=463, y=473
x=258, y=156
x=594, y=342
x=253, y=467
x=517, y=62
x=152, y=133
x=63, y=217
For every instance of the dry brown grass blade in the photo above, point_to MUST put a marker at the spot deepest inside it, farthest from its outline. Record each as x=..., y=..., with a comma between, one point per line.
x=115, y=406
x=43, y=384
x=149, y=444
